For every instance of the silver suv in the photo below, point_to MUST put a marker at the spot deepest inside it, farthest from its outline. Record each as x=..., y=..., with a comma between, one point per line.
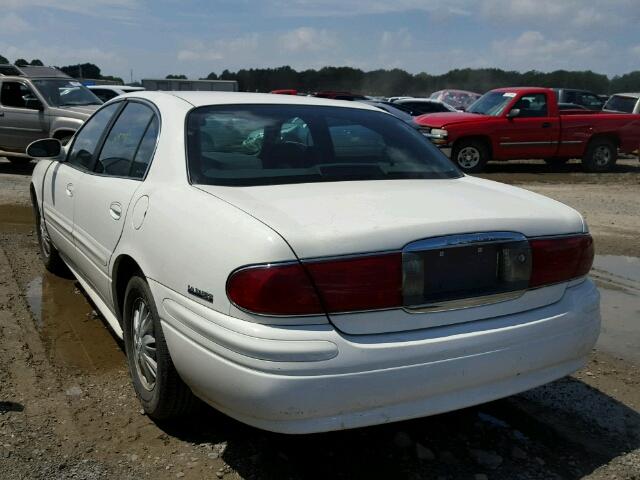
x=39, y=102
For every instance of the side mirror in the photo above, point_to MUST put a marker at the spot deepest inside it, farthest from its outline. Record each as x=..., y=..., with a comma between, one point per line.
x=513, y=113
x=45, y=148
x=33, y=104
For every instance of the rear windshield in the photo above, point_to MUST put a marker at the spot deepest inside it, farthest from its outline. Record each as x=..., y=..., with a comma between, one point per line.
x=621, y=104
x=276, y=144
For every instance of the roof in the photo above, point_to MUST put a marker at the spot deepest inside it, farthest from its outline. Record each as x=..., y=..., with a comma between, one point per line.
x=199, y=99
x=32, y=71
x=523, y=89
x=124, y=88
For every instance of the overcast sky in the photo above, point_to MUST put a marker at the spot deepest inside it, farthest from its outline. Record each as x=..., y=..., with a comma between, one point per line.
x=195, y=37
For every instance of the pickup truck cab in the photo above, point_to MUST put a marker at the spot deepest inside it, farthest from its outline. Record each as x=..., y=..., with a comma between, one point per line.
x=39, y=102
x=525, y=123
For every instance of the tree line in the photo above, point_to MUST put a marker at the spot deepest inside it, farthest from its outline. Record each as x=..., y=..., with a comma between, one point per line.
x=388, y=82
x=399, y=82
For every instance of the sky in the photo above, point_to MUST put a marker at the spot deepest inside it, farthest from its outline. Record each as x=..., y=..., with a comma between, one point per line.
x=195, y=37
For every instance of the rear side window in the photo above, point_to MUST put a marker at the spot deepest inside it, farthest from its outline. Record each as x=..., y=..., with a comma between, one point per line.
x=124, y=141
x=87, y=139
x=244, y=145
x=620, y=103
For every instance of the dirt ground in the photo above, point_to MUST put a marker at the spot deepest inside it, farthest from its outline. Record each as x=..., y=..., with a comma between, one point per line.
x=67, y=409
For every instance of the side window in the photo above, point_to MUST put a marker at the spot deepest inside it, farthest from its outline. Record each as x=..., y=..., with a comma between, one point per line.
x=17, y=95
x=86, y=140
x=534, y=105
x=123, y=140
x=145, y=150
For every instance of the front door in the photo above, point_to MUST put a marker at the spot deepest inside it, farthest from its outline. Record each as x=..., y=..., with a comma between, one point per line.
x=22, y=118
x=530, y=134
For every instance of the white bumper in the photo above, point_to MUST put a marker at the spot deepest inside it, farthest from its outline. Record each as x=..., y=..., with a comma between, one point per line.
x=312, y=378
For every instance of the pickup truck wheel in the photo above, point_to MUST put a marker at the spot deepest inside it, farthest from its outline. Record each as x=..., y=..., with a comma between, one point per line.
x=158, y=386
x=601, y=156
x=470, y=156
x=49, y=254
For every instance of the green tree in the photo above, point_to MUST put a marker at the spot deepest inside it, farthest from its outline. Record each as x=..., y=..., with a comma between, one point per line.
x=3, y=60
x=37, y=63
x=84, y=70
x=177, y=77
x=21, y=62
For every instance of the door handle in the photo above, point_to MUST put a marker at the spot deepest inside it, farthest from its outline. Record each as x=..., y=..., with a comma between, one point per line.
x=69, y=189
x=115, y=210
x=546, y=125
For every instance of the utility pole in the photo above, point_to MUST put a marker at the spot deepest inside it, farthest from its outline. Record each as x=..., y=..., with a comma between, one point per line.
x=131, y=76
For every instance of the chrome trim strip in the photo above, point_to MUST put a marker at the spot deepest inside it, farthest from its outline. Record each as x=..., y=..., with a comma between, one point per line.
x=517, y=144
x=463, y=303
x=449, y=241
x=571, y=142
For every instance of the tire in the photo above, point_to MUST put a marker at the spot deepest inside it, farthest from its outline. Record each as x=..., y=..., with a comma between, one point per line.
x=556, y=161
x=164, y=395
x=19, y=160
x=48, y=252
x=470, y=156
x=601, y=155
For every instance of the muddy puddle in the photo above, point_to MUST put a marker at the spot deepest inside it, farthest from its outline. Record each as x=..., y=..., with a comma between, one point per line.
x=618, y=278
x=16, y=218
x=73, y=333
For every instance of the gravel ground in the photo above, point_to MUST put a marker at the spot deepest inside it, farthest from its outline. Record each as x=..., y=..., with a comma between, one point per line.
x=67, y=409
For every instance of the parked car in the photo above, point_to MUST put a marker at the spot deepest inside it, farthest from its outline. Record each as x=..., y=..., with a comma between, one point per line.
x=107, y=92
x=523, y=123
x=395, y=109
x=349, y=277
x=335, y=95
x=623, y=102
x=585, y=98
x=458, y=99
x=39, y=102
x=572, y=106
x=422, y=106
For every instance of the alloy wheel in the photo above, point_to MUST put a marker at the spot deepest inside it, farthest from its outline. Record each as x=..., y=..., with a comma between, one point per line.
x=144, y=344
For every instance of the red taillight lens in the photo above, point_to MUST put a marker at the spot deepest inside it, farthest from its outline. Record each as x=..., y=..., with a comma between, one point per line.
x=274, y=290
x=363, y=283
x=557, y=260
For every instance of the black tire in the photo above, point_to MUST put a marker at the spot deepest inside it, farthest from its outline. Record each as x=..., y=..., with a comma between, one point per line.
x=48, y=252
x=556, y=161
x=167, y=396
x=470, y=156
x=601, y=155
x=19, y=160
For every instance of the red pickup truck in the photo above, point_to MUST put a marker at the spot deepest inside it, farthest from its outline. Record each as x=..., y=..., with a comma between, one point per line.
x=523, y=123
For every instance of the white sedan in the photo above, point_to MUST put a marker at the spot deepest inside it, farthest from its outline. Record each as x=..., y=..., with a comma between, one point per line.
x=307, y=265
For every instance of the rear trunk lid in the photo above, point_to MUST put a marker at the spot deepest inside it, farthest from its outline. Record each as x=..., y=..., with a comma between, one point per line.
x=346, y=218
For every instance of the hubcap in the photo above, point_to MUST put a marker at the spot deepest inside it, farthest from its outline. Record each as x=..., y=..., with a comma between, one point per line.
x=468, y=157
x=602, y=156
x=144, y=344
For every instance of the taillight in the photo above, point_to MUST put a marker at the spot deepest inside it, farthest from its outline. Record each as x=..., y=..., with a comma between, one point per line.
x=375, y=282
x=274, y=290
x=557, y=260
x=360, y=283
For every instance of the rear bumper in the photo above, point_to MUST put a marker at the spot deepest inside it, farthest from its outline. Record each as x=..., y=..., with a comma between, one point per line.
x=312, y=378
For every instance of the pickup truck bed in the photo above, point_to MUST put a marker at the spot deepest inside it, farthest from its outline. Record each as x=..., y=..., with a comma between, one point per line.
x=524, y=123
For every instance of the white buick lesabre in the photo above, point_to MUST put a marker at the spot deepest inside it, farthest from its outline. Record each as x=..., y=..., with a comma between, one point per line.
x=307, y=265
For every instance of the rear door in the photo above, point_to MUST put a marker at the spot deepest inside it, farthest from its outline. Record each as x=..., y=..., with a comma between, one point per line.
x=119, y=167
x=22, y=117
x=533, y=133
x=65, y=178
